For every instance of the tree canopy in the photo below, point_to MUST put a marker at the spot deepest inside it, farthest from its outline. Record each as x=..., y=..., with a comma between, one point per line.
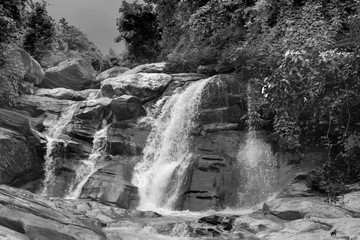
x=139, y=29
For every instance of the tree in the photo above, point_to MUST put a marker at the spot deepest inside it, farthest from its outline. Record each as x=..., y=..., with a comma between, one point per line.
x=40, y=32
x=139, y=28
x=11, y=19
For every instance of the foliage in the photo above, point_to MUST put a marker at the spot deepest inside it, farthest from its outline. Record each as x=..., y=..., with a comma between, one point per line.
x=139, y=28
x=74, y=43
x=11, y=18
x=40, y=32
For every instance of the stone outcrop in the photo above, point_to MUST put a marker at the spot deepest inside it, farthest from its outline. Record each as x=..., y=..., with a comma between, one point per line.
x=24, y=215
x=76, y=74
x=108, y=185
x=111, y=72
x=60, y=93
x=141, y=85
x=21, y=155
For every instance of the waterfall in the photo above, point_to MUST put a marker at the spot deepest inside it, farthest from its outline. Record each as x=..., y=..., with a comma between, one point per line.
x=167, y=155
x=258, y=163
x=52, y=137
x=90, y=165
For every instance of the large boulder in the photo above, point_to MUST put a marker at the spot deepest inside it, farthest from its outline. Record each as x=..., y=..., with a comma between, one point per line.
x=33, y=71
x=60, y=93
x=76, y=74
x=21, y=156
x=141, y=85
x=108, y=185
x=111, y=72
x=24, y=215
x=352, y=201
x=127, y=107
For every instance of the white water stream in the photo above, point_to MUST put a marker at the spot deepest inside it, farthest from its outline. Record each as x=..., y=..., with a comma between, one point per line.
x=52, y=137
x=264, y=176
x=90, y=165
x=160, y=174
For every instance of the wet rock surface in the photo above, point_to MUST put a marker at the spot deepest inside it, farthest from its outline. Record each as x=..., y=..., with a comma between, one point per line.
x=24, y=215
x=109, y=186
x=21, y=152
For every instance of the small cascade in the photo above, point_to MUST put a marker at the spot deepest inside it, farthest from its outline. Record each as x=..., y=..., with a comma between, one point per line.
x=90, y=165
x=52, y=137
x=258, y=164
x=160, y=174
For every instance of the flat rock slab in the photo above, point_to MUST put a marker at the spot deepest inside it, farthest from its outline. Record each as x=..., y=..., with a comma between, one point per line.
x=297, y=208
x=148, y=68
x=111, y=72
x=24, y=214
x=60, y=93
x=141, y=85
x=37, y=105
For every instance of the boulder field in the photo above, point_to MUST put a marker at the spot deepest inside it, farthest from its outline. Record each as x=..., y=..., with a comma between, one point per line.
x=122, y=104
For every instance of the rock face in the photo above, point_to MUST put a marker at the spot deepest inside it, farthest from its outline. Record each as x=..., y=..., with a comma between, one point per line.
x=141, y=85
x=213, y=178
x=210, y=182
x=76, y=74
x=20, y=150
x=110, y=73
x=108, y=185
x=24, y=215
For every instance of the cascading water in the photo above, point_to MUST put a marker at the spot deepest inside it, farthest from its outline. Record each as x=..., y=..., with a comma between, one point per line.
x=259, y=164
x=52, y=138
x=167, y=154
x=91, y=165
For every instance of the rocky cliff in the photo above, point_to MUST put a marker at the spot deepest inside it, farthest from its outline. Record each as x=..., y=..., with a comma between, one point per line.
x=80, y=137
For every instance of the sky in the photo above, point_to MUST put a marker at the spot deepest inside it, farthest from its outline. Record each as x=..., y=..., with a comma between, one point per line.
x=96, y=18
